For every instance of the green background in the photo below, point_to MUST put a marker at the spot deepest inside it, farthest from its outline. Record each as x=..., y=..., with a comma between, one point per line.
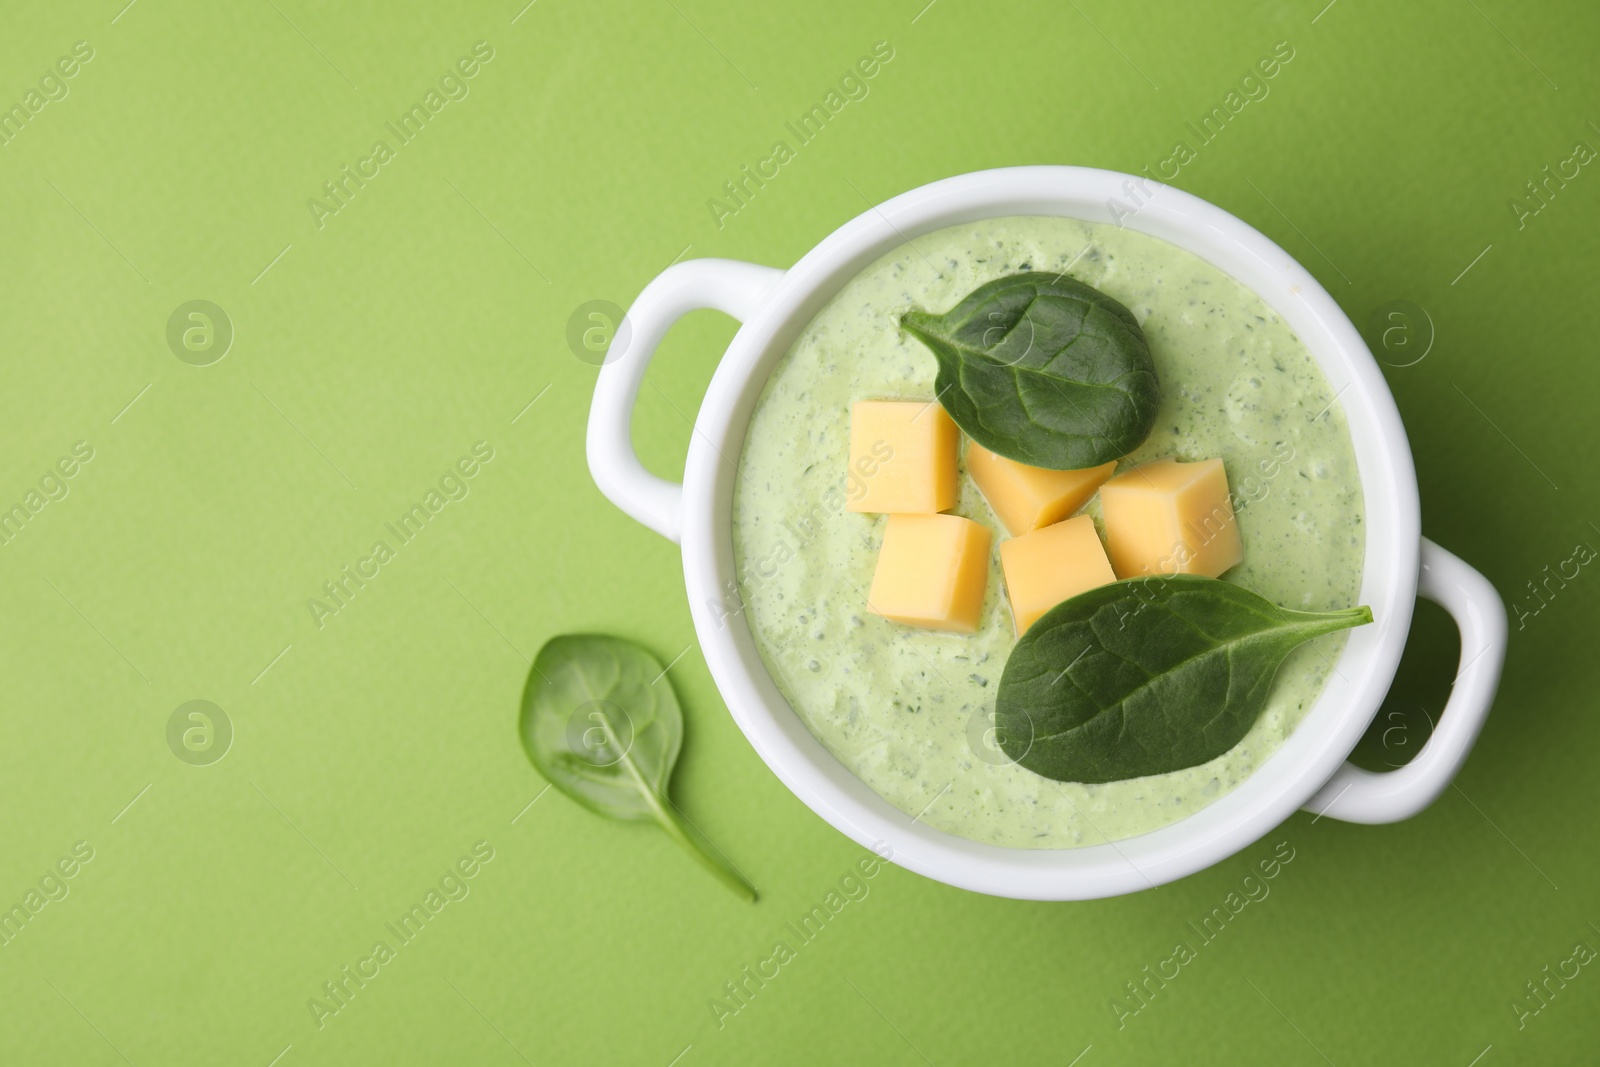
x=372, y=752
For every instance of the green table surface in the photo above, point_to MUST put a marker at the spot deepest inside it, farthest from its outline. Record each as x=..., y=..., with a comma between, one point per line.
x=372, y=747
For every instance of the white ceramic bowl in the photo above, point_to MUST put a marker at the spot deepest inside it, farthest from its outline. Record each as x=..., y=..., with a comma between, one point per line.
x=1309, y=770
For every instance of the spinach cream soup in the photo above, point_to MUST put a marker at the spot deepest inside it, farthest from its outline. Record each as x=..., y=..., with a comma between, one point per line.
x=908, y=710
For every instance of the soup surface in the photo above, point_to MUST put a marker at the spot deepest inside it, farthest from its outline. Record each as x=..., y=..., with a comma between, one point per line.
x=909, y=711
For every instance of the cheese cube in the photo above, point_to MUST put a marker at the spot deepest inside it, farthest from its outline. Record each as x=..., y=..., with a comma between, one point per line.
x=1171, y=518
x=1047, y=566
x=902, y=457
x=1027, y=498
x=932, y=570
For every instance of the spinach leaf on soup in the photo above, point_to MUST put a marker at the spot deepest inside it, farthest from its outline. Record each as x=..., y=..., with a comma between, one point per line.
x=1146, y=676
x=600, y=721
x=1043, y=369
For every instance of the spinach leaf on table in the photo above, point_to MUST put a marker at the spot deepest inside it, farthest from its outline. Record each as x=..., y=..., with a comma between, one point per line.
x=1146, y=676
x=1043, y=369
x=600, y=721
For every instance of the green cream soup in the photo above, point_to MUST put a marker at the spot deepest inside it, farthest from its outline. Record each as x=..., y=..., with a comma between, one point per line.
x=907, y=710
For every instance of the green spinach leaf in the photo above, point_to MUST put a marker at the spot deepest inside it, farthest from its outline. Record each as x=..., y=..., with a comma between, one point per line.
x=600, y=721
x=1044, y=370
x=1146, y=676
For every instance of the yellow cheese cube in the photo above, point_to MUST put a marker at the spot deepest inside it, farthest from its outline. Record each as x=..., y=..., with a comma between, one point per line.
x=1047, y=566
x=902, y=457
x=1027, y=498
x=1171, y=518
x=931, y=572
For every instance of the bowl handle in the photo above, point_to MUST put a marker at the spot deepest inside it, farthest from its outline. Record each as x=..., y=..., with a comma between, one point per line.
x=719, y=284
x=1356, y=795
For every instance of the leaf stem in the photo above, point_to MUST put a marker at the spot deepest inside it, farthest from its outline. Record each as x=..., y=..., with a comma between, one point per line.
x=670, y=823
x=725, y=874
x=1327, y=622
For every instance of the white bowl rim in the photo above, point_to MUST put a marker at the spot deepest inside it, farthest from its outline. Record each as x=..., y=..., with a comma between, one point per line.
x=1330, y=729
